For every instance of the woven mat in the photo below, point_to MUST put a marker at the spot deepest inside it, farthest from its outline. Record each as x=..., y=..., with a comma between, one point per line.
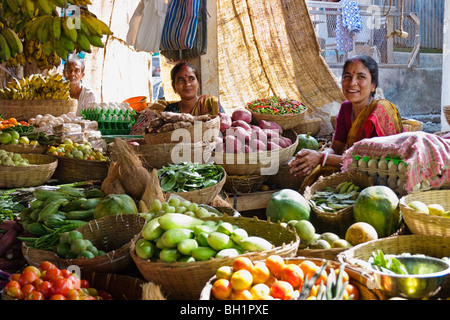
x=270, y=48
x=426, y=154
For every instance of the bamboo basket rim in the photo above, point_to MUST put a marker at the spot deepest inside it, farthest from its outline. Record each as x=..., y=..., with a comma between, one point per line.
x=193, y=275
x=244, y=183
x=24, y=148
x=113, y=261
x=365, y=284
x=286, y=121
x=25, y=109
x=250, y=164
x=425, y=224
x=166, y=137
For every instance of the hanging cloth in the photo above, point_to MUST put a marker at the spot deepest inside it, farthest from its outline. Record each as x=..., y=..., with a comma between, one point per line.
x=150, y=15
x=347, y=23
x=180, y=25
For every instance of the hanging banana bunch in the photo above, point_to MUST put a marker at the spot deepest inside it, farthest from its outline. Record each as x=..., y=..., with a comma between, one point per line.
x=10, y=44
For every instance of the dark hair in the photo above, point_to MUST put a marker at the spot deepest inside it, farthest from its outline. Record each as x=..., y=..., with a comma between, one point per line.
x=369, y=63
x=178, y=67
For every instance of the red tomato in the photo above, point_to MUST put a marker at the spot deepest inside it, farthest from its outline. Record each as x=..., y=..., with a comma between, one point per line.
x=62, y=286
x=12, y=284
x=37, y=282
x=35, y=295
x=51, y=274
x=27, y=277
x=57, y=297
x=46, y=288
x=65, y=273
x=73, y=294
x=15, y=293
x=33, y=269
x=84, y=283
x=27, y=289
x=15, y=277
x=46, y=265
x=105, y=295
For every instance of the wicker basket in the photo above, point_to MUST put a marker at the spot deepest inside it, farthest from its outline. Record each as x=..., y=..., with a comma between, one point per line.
x=255, y=162
x=42, y=168
x=447, y=113
x=433, y=246
x=425, y=224
x=74, y=170
x=244, y=183
x=339, y=221
x=328, y=254
x=365, y=285
x=286, y=121
x=412, y=125
x=23, y=110
x=111, y=234
x=202, y=196
x=209, y=130
x=315, y=174
x=183, y=280
x=159, y=155
x=311, y=126
x=24, y=148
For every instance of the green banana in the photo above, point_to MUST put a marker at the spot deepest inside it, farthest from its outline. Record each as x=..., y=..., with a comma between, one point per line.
x=67, y=44
x=350, y=188
x=339, y=186
x=84, y=28
x=69, y=31
x=13, y=5
x=45, y=6
x=33, y=26
x=47, y=47
x=59, y=3
x=60, y=50
x=13, y=40
x=44, y=29
x=104, y=27
x=83, y=42
x=5, y=52
x=92, y=25
x=95, y=41
x=345, y=187
x=29, y=8
x=56, y=27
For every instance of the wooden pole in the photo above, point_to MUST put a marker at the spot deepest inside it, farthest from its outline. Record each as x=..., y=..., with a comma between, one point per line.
x=445, y=98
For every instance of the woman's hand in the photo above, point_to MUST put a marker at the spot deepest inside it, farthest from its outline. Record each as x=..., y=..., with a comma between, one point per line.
x=304, y=162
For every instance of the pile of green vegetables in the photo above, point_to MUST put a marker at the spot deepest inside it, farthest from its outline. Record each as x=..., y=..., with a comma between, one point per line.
x=276, y=105
x=387, y=264
x=184, y=177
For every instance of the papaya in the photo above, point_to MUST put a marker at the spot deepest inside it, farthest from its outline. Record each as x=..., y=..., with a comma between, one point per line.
x=286, y=205
x=379, y=207
x=306, y=141
x=115, y=204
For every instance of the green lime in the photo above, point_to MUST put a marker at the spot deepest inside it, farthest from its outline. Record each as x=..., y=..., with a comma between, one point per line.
x=86, y=254
x=92, y=249
x=73, y=235
x=77, y=246
x=62, y=248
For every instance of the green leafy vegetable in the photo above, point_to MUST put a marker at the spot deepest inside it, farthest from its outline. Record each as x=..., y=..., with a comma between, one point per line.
x=387, y=263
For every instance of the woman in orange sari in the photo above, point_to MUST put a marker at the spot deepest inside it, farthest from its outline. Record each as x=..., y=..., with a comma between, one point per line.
x=360, y=117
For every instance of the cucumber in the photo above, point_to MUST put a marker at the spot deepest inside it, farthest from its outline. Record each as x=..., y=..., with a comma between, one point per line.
x=80, y=214
x=186, y=246
x=44, y=194
x=202, y=239
x=228, y=253
x=94, y=193
x=90, y=203
x=152, y=230
x=34, y=215
x=254, y=243
x=171, y=237
x=204, y=228
x=169, y=255
x=203, y=253
x=37, y=204
x=186, y=259
x=178, y=220
x=73, y=205
x=219, y=241
x=159, y=244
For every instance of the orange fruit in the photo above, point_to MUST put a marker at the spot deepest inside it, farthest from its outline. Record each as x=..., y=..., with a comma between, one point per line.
x=224, y=272
x=275, y=263
x=242, y=295
x=260, y=273
x=242, y=263
x=260, y=291
x=352, y=290
x=293, y=274
x=360, y=232
x=221, y=289
x=271, y=280
x=280, y=289
x=241, y=280
x=308, y=267
x=322, y=278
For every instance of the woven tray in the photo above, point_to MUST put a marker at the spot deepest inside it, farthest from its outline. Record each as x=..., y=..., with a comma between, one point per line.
x=425, y=224
x=24, y=148
x=75, y=170
x=181, y=280
x=311, y=126
x=339, y=221
x=209, y=130
x=159, y=155
x=286, y=121
x=111, y=234
x=23, y=110
x=366, y=286
x=42, y=168
x=202, y=196
x=253, y=163
x=447, y=113
x=243, y=183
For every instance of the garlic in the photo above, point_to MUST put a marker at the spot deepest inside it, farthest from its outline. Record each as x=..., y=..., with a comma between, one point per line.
x=42, y=124
x=31, y=121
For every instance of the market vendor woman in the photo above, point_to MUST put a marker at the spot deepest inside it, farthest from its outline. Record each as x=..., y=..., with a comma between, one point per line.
x=359, y=117
x=185, y=82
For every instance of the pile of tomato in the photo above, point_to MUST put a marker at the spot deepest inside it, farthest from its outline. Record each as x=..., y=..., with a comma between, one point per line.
x=48, y=282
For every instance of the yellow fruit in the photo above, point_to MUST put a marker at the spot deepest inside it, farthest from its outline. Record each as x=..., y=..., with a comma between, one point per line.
x=260, y=273
x=221, y=289
x=241, y=280
x=224, y=272
x=360, y=232
x=260, y=291
x=436, y=209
